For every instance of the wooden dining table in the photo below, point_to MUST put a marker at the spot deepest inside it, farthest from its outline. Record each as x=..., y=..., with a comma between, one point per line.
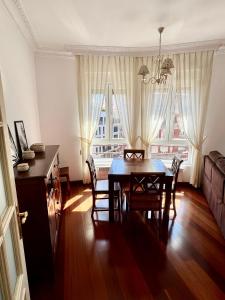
x=121, y=169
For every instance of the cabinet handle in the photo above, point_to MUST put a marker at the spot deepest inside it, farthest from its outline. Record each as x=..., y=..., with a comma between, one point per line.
x=23, y=216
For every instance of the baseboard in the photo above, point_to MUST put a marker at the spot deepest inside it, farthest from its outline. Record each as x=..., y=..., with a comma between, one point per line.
x=76, y=182
x=183, y=184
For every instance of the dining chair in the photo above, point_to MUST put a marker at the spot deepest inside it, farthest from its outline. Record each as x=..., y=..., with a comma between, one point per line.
x=100, y=188
x=130, y=154
x=175, y=168
x=134, y=154
x=146, y=191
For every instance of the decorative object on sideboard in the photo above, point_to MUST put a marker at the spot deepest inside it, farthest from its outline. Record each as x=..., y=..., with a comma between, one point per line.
x=28, y=154
x=38, y=147
x=22, y=167
x=21, y=138
x=13, y=148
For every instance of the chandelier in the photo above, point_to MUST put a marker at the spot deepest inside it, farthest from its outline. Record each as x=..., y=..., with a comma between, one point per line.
x=162, y=69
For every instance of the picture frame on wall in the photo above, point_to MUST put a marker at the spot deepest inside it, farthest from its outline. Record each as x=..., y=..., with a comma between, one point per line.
x=21, y=137
x=14, y=150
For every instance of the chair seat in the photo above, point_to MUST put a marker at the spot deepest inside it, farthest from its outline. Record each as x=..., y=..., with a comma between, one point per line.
x=144, y=202
x=102, y=186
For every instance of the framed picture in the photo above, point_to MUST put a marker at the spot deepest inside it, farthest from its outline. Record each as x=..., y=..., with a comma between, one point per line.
x=21, y=138
x=14, y=151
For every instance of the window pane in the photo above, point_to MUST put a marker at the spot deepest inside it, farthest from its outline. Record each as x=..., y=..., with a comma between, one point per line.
x=101, y=129
x=108, y=151
x=162, y=131
x=11, y=259
x=177, y=128
x=117, y=130
x=3, y=200
x=168, y=151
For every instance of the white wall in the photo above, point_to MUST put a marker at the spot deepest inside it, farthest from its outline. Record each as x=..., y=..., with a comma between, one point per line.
x=215, y=123
x=57, y=93
x=17, y=69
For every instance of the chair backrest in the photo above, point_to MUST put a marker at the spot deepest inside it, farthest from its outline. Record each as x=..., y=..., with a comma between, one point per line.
x=134, y=154
x=175, y=168
x=148, y=187
x=91, y=166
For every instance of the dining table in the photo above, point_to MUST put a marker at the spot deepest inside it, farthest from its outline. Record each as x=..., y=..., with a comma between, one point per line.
x=121, y=169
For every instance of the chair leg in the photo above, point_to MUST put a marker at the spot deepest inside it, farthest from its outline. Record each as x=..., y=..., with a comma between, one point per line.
x=160, y=217
x=68, y=184
x=93, y=207
x=174, y=203
x=127, y=205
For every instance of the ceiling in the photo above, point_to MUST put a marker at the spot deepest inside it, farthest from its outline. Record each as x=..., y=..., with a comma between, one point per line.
x=59, y=24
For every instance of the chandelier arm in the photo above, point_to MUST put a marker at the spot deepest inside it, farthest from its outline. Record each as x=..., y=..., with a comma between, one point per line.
x=162, y=69
x=151, y=79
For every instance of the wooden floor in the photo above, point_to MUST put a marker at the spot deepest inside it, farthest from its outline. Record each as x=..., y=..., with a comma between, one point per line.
x=131, y=260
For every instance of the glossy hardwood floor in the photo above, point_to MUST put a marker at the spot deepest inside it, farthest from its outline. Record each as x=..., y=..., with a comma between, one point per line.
x=131, y=259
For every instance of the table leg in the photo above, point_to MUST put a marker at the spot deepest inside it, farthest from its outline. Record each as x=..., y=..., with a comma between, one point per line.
x=168, y=199
x=111, y=199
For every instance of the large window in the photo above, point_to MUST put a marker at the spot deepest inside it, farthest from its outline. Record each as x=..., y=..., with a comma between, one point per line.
x=109, y=140
x=171, y=139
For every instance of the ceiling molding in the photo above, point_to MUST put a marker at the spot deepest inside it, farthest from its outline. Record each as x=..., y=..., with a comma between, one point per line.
x=70, y=50
x=52, y=52
x=17, y=13
x=142, y=51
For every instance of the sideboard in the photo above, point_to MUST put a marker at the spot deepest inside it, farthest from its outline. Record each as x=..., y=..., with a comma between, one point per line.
x=39, y=193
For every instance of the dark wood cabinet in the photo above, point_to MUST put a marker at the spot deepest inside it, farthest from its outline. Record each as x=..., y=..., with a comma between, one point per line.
x=39, y=193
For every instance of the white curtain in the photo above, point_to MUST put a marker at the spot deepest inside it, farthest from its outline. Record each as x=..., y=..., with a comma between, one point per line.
x=154, y=101
x=124, y=76
x=193, y=75
x=92, y=76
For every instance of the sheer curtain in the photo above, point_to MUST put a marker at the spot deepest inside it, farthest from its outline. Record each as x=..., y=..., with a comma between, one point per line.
x=92, y=77
x=193, y=75
x=123, y=75
x=154, y=101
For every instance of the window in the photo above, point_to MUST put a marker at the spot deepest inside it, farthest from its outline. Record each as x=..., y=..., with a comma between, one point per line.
x=109, y=140
x=171, y=138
